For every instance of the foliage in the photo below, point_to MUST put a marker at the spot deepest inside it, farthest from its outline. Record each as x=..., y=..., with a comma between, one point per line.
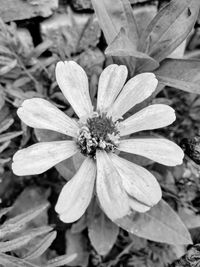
x=14, y=236
x=27, y=70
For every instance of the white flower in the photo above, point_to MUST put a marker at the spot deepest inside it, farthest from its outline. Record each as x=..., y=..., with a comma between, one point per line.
x=121, y=186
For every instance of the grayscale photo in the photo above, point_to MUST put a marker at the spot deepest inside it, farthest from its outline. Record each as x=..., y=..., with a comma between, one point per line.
x=100, y=133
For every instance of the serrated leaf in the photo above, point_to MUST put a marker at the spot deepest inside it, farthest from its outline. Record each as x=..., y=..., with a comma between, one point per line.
x=15, y=262
x=121, y=46
x=15, y=224
x=180, y=73
x=160, y=224
x=113, y=15
x=61, y=260
x=169, y=28
x=40, y=248
x=21, y=241
x=102, y=232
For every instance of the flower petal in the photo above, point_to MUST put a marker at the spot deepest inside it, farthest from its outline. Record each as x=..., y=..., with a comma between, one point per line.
x=158, y=149
x=137, y=206
x=139, y=183
x=111, y=82
x=40, y=113
x=40, y=157
x=135, y=91
x=111, y=194
x=73, y=83
x=151, y=117
x=77, y=193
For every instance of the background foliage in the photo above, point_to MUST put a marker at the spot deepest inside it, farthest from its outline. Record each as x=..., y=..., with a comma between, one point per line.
x=158, y=36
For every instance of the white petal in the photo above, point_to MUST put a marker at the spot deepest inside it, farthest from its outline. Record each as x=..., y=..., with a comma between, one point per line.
x=41, y=114
x=73, y=82
x=137, y=206
x=111, y=194
x=157, y=149
x=139, y=183
x=77, y=193
x=151, y=117
x=40, y=157
x=135, y=91
x=111, y=82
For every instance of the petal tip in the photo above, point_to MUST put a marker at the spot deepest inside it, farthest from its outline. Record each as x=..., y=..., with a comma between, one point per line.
x=182, y=155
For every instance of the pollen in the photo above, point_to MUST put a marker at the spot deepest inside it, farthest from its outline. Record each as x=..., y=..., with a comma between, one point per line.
x=99, y=132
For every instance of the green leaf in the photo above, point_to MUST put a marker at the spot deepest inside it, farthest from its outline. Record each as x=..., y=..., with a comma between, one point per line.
x=180, y=73
x=14, y=262
x=160, y=224
x=112, y=16
x=169, y=28
x=102, y=232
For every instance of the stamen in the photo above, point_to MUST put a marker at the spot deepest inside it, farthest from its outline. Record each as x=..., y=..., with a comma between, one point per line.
x=100, y=132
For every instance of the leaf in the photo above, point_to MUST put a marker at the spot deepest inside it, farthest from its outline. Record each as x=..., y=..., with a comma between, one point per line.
x=189, y=217
x=77, y=244
x=7, y=136
x=15, y=262
x=79, y=226
x=66, y=169
x=169, y=28
x=121, y=46
x=4, y=211
x=8, y=67
x=42, y=246
x=4, y=146
x=102, y=232
x=24, y=239
x=61, y=260
x=113, y=15
x=5, y=124
x=139, y=160
x=15, y=224
x=160, y=224
x=90, y=35
x=180, y=73
x=77, y=159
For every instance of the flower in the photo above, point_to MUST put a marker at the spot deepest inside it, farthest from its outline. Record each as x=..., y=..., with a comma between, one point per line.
x=121, y=186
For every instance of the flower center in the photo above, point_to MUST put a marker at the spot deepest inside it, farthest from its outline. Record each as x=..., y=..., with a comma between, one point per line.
x=99, y=132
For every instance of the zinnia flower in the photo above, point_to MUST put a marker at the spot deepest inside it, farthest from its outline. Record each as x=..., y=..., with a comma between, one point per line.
x=120, y=185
